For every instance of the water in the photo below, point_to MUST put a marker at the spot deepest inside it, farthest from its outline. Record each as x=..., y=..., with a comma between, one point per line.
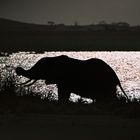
x=125, y=64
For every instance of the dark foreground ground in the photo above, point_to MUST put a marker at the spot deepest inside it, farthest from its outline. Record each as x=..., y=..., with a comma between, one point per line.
x=68, y=127
x=28, y=117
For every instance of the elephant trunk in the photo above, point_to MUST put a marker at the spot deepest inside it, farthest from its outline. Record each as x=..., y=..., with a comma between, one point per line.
x=20, y=71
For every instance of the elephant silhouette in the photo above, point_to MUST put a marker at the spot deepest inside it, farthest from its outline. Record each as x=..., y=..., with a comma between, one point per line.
x=92, y=78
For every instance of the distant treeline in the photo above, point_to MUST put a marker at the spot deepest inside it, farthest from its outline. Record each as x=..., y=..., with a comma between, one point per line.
x=17, y=36
x=10, y=25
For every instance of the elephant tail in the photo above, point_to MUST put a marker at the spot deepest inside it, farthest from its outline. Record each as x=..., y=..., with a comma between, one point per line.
x=127, y=99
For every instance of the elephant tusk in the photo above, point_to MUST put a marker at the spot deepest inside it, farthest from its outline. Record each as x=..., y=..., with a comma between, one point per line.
x=25, y=82
x=31, y=83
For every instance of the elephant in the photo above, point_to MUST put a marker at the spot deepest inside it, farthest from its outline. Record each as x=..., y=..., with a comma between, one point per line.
x=92, y=78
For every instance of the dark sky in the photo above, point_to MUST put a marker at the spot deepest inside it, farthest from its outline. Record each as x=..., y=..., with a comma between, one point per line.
x=69, y=11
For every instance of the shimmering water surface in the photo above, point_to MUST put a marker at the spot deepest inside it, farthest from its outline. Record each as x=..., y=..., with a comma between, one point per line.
x=125, y=64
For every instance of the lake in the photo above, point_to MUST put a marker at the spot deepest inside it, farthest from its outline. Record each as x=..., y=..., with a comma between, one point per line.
x=125, y=64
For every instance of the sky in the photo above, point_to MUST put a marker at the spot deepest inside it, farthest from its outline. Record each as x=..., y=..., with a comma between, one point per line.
x=71, y=11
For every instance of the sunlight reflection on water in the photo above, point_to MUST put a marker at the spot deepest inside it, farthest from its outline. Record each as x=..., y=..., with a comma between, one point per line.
x=125, y=64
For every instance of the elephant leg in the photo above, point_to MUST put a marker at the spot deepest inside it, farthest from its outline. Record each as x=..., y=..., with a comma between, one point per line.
x=63, y=94
x=110, y=94
x=106, y=94
x=114, y=95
